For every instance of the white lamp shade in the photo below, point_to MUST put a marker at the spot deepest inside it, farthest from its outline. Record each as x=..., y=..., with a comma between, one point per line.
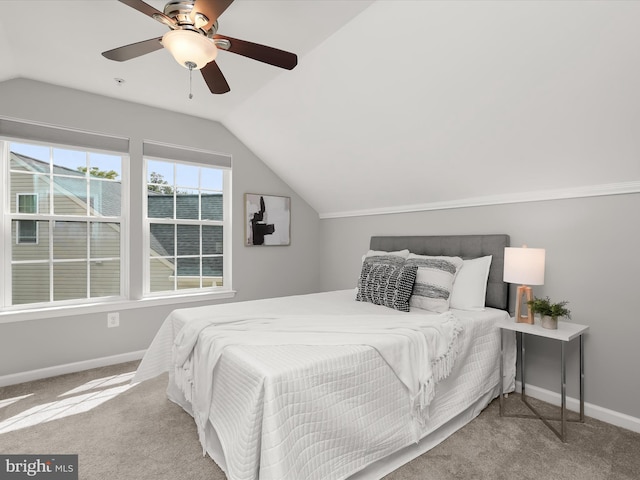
x=524, y=266
x=190, y=47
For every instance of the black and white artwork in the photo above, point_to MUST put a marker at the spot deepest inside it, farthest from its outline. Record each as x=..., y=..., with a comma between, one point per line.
x=268, y=219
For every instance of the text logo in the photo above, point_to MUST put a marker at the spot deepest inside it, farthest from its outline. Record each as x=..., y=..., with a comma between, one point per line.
x=49, y=467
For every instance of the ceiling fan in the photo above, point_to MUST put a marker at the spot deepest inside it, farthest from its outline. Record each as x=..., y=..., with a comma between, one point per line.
x=194, y=40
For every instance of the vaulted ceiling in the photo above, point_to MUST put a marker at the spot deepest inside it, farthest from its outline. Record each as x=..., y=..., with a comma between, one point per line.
x=394, y=105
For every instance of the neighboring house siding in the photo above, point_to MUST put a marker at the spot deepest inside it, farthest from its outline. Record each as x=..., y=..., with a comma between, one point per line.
x=31, y=282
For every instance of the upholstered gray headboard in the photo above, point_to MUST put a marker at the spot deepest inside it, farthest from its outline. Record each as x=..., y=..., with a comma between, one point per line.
x=465, y=246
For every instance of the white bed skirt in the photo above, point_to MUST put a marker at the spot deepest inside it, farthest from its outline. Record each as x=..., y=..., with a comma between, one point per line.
x=378, y=469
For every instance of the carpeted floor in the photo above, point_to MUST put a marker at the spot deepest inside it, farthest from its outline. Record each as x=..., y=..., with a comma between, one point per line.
x=134, y=433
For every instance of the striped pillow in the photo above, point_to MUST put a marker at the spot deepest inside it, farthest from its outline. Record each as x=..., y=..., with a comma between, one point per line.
x=434, y=281
x=378, y=256
x=386, y=284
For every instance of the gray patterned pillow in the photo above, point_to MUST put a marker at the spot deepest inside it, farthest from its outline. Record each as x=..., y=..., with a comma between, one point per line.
x=379, y=256
x=386, y=284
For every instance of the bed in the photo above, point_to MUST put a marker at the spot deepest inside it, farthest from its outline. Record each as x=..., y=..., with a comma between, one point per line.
x=312, y=407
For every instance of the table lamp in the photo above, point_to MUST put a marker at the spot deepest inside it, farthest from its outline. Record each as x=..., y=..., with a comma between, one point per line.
x=524, y=266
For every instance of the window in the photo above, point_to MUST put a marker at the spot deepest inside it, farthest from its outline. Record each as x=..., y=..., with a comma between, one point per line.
x=66, y=237
x=64, y=212
x=27, y=231
x=186, y=226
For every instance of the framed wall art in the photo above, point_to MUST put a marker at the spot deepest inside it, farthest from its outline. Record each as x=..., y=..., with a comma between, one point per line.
x=267, y=219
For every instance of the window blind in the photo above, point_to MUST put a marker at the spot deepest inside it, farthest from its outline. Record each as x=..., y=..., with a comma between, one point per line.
x=57, y=135
x=174, y=152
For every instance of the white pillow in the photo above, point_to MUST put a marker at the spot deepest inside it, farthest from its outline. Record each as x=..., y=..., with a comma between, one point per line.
x=470, y=285
x=434, y=281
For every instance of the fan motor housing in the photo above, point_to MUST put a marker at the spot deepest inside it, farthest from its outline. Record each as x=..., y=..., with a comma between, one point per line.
x=180, y=10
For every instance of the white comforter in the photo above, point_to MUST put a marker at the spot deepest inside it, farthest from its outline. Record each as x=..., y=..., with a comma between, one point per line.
x=320, y=412
x=420, y=349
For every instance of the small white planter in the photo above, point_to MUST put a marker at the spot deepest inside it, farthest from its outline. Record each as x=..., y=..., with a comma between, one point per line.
x=549, y=322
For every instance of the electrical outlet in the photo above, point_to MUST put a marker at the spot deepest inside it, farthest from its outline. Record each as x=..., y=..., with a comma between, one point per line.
x=113, y=319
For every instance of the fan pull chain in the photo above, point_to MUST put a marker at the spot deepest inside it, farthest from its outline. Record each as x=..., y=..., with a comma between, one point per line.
x=190, y=66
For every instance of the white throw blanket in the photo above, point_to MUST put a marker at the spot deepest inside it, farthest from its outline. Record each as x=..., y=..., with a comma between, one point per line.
x=420, y=349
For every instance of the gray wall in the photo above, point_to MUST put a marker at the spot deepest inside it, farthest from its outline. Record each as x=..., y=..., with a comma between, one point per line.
x=258, y=272
x=592, y=260
x=592, y=253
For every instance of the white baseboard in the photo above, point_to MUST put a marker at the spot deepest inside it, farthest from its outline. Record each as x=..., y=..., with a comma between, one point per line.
x=47, y=372
x=594, y=411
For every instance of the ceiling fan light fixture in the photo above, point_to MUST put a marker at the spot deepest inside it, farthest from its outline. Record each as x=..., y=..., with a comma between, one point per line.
x=190, y=48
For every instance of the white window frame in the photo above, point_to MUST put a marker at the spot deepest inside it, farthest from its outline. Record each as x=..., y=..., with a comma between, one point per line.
x=225, y=223
x=133, y=210
x=6, y=293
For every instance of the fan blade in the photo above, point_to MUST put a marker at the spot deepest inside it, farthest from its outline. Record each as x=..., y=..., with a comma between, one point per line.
x=150, y=11
x=212, y=9
x=142, y=7
x=134, y=50
x=261, y=53
x=214, y=78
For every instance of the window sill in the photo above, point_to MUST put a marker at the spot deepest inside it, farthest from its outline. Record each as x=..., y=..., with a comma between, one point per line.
x=117, y=305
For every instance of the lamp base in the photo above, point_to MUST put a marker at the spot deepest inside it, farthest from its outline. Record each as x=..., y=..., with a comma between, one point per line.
x=524, y=291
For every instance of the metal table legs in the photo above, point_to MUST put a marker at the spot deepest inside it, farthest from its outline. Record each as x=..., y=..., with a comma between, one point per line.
x=562, y=433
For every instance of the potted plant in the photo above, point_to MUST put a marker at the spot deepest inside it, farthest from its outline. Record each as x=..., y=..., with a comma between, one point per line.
x=549, y=311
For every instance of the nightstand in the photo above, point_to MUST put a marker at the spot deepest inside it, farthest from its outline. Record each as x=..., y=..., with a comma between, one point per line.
x=566, y=332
